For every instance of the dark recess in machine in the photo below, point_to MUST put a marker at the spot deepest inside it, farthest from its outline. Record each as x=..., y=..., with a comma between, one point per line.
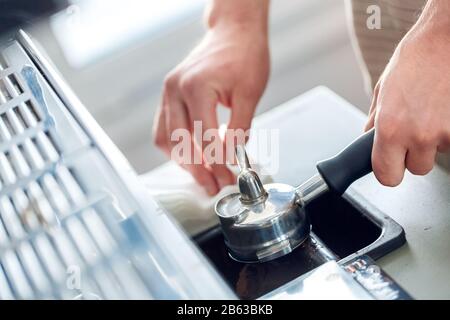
x=336, y=223
x=340, y=226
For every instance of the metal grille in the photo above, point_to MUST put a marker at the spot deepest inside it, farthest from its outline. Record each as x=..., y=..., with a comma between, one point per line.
x=57, y=238
x=74, y=220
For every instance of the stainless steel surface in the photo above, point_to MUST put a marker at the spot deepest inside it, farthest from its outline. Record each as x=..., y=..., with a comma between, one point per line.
x=72, y=209
x=358, y=278
x=311, y=189
x=261, y=223
x=329, y=281
x=250, y=186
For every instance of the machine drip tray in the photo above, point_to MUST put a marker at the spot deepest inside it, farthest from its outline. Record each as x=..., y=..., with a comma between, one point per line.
x=342, y=229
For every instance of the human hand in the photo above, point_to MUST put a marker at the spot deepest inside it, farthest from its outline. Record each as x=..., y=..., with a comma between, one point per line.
x=231, y=67
x=411, y=105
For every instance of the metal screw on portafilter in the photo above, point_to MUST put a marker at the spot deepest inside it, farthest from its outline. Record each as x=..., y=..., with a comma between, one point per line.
x=250, y=186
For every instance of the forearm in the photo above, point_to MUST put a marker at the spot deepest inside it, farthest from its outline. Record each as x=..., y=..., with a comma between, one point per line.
x=246, y=13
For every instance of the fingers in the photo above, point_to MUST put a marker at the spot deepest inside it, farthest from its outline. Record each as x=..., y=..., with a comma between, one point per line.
x=370, y=122
x=239, y=124
x=201, y=104
x=397, y=149
x=444, y=145
x=203, y=176
x=160, y=137
x=420, y=161
x=443, y=148
x=177, y=118
x=241, y=115
x=388, y=158
x=394, y=148
x=373, y=108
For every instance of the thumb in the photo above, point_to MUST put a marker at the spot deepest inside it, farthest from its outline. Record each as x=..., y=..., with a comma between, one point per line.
x=373, y=108
x=238, y=130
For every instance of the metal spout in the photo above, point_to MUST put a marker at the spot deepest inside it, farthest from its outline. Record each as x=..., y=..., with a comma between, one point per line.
x=250, y=186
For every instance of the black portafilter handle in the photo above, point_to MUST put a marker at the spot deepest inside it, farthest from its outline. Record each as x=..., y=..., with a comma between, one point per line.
x=352, y=163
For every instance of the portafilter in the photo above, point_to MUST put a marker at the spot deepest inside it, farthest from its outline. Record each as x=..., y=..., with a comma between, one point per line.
x=264, y=222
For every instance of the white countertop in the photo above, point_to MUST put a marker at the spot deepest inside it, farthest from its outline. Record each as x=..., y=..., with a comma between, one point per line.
x=318, y=124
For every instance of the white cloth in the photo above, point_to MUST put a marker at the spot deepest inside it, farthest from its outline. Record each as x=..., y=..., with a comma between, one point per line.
x=178, y=193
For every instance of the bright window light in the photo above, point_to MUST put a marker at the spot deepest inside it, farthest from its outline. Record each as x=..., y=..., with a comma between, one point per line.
x=91, y=29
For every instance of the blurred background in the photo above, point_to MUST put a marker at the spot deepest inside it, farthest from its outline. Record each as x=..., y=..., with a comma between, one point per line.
x=116, y=53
